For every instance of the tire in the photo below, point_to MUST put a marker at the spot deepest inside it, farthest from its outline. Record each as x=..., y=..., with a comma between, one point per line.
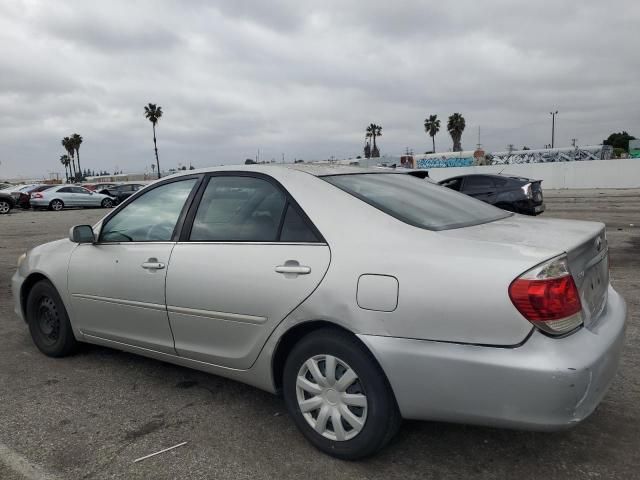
x=48, y=321
x=56, y=205
x=5, y=207
x=377, y=417
x=107, y=203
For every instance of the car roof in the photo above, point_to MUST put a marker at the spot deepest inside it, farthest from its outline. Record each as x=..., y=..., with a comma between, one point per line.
x=490, y=175
x=315, y=169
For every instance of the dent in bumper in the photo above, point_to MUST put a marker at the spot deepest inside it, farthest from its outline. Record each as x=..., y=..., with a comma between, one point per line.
x=545, y=384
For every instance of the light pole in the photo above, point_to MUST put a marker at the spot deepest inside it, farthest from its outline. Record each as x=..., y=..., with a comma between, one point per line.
x=553, y=127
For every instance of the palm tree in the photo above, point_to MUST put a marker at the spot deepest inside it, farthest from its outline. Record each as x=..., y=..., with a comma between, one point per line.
x=64, y=160
x=455, y=126
x=76, y=141
x=153, y=114
x=67, y=143
x=432, y=127
x=374, y=131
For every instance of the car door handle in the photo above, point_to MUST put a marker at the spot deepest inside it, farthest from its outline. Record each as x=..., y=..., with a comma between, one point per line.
x=152, y=265
x=295, y=269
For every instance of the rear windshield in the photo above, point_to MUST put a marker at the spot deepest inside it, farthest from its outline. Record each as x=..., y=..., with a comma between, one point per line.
x=416, y=201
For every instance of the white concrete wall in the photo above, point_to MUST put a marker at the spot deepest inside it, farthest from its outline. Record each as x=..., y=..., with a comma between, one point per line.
x=624, y=173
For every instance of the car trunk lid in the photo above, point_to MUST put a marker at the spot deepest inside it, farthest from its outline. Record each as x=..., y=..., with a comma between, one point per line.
x=584, y=243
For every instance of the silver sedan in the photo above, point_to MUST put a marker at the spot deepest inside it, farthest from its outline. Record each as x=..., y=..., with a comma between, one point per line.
x=363, y=296
x=63, y=196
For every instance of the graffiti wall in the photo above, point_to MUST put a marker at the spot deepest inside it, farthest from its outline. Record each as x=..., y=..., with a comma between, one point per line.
x=444, y=162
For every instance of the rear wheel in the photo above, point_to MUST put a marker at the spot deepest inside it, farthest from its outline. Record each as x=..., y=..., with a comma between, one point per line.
x=338, y=396
x=5, y=207
x=48, y=321
x=56, y=205
x=107, y=203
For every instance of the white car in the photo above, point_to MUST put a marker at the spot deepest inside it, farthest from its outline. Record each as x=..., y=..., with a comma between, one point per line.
x=62, y=196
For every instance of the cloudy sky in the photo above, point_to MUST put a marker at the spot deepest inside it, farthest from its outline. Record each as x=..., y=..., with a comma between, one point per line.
x=304, y=78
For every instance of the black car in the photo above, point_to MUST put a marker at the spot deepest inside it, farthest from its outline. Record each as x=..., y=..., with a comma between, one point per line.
x=6, y=203
x=122, y=192
x=516, y=194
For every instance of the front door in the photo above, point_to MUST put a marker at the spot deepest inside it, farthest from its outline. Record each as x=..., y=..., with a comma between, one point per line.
x=117, y=285
x=250, y=258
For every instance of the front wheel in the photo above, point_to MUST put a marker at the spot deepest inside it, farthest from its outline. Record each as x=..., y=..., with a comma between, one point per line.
x=56, y=205
x=5, y=207
x=48, y=321
x=338, y=396
x=107, y=203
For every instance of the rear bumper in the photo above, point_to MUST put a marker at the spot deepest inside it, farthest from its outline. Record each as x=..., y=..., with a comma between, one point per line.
x=529, y=207
x=544, y=384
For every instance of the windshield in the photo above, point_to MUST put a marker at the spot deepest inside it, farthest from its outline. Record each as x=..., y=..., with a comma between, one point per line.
x=416, y=201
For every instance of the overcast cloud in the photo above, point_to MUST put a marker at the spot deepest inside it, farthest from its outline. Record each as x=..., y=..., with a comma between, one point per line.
x=305, y=78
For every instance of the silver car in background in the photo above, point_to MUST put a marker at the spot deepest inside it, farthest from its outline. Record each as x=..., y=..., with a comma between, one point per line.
x=363, y=296
x=63, y=196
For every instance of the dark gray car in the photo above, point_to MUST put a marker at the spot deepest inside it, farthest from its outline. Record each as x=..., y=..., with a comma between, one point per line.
x=515, y=194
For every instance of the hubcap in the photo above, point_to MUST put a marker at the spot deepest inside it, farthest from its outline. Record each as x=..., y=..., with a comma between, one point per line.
x=57, y=206
x=4, y=207
x=48, y=320
x=331, y=397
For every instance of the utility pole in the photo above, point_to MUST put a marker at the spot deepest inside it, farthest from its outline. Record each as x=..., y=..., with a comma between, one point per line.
x=553, y=127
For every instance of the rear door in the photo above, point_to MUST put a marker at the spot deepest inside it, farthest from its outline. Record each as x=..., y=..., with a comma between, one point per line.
x=480, y=187
x=66, y=195
x=247, y=257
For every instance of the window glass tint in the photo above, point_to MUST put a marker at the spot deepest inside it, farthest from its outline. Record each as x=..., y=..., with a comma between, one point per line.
x=151, y=217
x=65, y=190
x=500, y=182
x=243, y=209
x=417, y=202
x=296, y=229
x=478, y=183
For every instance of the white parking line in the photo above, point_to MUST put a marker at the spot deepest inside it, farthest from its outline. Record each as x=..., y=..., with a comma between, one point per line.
x=20, y=465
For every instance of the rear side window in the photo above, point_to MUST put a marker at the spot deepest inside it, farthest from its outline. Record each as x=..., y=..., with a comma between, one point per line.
x=296, y=229
x=417, y=202
x=239, y=209
x=478, y=183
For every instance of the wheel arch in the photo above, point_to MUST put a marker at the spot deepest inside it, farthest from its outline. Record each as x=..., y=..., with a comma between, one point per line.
x=294, y=334
x=26, y=287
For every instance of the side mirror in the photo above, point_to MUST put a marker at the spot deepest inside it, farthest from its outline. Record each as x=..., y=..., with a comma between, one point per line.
x=82, y=234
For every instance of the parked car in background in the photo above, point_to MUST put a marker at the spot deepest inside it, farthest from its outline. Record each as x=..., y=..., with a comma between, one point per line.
x=23, y=199
x=98, y=187
x=62, y=196
x=123, y=191
x=515, y=194
x=6, y=203
x=451, y=310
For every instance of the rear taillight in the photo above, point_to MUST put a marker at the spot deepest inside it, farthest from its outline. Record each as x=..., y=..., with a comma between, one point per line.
x=36, y=195
x=548, y=297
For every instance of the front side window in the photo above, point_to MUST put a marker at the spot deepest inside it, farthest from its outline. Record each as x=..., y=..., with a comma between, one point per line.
x=151, y=217
x=241, y=209
x=417, y=202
